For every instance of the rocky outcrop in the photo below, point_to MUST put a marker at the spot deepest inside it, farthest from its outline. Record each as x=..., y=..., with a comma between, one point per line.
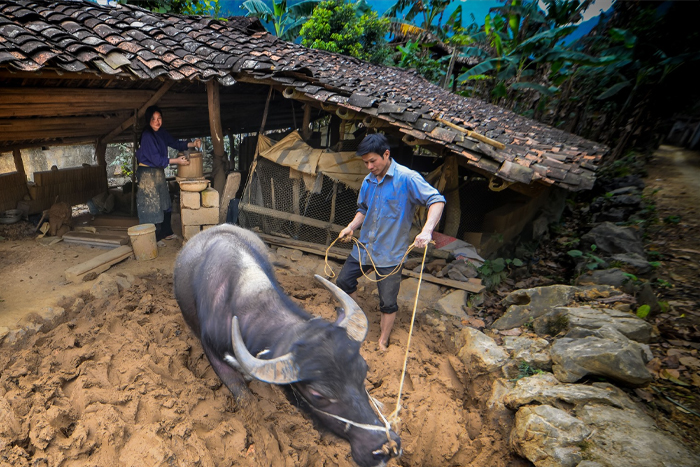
x=612, y=239
x=481, y=352
x=602, y=352
x=589, y=318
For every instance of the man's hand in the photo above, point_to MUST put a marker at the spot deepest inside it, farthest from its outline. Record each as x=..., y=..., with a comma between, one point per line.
x=182, y=160
x=345, y=235
x=422, y=239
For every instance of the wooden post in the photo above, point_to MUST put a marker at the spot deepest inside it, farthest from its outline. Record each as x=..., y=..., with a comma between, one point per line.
x=452, y=208
x=100, y=156
x=217, y=134
x=334, y=130
x=19, y=164
x=134, y=164
x=305, y=130
x=332, y=217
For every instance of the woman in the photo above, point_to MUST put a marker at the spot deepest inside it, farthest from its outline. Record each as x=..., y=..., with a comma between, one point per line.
x=153, y=199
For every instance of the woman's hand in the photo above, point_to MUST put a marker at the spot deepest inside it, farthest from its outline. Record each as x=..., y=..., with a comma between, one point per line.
x=182, y=160
x=195, y=144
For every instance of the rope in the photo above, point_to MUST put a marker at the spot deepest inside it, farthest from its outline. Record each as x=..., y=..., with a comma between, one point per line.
x=501, y=186
x=393, y=419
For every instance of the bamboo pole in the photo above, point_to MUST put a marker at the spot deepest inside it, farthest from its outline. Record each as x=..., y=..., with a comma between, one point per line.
x=472, y=134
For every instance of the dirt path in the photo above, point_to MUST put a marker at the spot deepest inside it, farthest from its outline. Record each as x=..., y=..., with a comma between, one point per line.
x=673, y=185
x=123, y=382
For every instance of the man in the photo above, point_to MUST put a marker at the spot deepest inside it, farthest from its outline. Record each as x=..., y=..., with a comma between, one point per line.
x=387, y=201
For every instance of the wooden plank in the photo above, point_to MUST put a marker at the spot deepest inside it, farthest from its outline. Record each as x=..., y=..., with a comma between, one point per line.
x=114, y=221
x=471, y=286
x=290, y=217
x=308, y=247
x=233, y=182
x=96, y=239
x=98, y=264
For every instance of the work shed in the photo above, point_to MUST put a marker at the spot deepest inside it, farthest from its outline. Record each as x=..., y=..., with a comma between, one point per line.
x=76, y=72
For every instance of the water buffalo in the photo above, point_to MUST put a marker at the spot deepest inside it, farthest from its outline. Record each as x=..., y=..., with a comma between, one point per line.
x=229, y=297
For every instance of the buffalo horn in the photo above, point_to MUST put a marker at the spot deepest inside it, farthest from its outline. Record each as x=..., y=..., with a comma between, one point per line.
x=280, y=370
x=355, y=321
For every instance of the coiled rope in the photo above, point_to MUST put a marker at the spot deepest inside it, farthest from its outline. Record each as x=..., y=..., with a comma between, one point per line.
x=393, y=420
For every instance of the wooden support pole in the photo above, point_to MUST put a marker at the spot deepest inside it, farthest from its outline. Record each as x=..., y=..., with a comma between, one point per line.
x=100, y=156
x=305, y=125
x=141, y=112
x=334, y=130
x=217, y=134
x=332, y=216
x=452, y=207
x=19, y=164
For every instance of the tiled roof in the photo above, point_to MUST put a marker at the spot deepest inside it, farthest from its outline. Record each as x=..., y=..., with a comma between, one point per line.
x=127, y=41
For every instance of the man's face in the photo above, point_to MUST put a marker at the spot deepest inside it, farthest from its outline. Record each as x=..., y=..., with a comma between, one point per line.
x=156, y=121
x=377, y=164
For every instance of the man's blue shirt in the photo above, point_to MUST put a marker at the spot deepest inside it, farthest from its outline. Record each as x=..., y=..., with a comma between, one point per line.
x=153, y=151
x=388, y=207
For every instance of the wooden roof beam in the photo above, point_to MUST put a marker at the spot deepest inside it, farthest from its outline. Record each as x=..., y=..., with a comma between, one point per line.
x=141, y=112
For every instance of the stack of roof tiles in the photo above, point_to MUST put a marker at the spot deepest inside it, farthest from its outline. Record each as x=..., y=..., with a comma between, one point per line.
x=128, y=42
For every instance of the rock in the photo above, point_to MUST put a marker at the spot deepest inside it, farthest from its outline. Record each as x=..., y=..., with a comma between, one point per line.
x=498, y=413
x=531, y=303
x=51, y=317
x=605, y=352
x=611, y=239
x=594, y=318
x=435, y=265
x=453, y=303
x=633, y=262
x=627, y=190
x=291, y=254
x=456, y=275
x=613, y=214
x=548, y=437
x=646, y=296
x=630, y=438
x=480, y=351
x=613, y=277
x=429, y=294
x=105, y=286
x=124, y=280
x=533, y=351
x=546, y=389
x=626, y=200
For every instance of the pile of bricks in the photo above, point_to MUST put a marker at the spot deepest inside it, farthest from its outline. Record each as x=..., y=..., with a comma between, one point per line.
x=198, y=211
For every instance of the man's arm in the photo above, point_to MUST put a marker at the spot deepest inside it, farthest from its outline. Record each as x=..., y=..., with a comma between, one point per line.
x=434, y=214
x=355, y=223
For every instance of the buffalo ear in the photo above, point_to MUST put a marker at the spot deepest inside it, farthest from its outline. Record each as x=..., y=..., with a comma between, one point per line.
x=280, y=370
x=355, y=321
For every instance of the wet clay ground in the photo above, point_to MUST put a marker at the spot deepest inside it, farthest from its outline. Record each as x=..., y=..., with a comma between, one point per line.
x=123, y=382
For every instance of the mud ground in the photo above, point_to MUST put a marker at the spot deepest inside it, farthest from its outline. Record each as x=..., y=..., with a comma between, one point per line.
x=123, y=382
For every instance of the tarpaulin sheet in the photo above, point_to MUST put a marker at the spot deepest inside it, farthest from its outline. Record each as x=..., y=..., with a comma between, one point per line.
x=293, y=152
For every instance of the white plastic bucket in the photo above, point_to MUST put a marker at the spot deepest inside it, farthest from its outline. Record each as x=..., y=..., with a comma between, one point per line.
x=143, y=241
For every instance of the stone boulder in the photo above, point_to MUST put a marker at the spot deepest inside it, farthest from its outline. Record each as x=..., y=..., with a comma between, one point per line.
x=548, y=437
x=602, y=352
x=453, y=304
x=612, y=239
x=630, y=438
x=533, y=351
x=589, y=318
x=546, y=389
x=613, y=277
x=105, y=286
x=638, y=264
x=479, y=351
x=526, y=304
x=429, y=294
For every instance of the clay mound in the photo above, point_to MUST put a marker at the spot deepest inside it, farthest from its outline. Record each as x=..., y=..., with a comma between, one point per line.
x=122, y=381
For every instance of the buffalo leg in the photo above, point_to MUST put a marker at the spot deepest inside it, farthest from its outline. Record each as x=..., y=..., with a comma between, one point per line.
x=231, y=378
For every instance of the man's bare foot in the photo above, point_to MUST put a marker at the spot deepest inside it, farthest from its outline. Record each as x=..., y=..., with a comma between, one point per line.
x=383, y=347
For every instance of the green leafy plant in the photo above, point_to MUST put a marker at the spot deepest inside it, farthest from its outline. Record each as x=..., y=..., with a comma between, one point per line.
x=672, y=220
x=335, y=26
x=495, y=271
x=285, y=20
x=643, y=311
x=592, y=261
x=525, y=370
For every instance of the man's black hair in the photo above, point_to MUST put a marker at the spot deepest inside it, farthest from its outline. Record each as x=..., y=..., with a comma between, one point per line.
x=375, y=142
